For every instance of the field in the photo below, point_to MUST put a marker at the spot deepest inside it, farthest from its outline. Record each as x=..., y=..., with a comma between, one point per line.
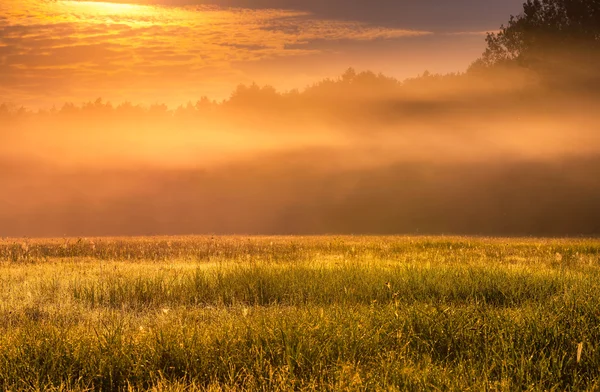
x=299, y=313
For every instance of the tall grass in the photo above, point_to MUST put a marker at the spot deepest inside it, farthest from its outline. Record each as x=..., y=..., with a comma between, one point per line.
x=322, y=313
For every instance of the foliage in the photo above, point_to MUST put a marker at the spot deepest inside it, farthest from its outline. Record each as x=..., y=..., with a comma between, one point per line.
x=553, y=37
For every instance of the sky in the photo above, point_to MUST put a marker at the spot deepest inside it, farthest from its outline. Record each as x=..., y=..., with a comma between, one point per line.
x=173, y=51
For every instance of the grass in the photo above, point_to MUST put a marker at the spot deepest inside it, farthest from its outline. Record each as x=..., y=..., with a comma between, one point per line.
x=299, y=313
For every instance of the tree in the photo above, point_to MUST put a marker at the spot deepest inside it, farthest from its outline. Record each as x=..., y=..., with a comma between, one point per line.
x=548, y=37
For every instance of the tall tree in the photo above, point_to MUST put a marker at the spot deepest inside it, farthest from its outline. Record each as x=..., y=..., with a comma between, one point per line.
x=550, y=36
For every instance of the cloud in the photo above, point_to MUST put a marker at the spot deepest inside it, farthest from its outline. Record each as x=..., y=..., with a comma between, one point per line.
x=475, y=33
x=439, y=15
x=100, y=42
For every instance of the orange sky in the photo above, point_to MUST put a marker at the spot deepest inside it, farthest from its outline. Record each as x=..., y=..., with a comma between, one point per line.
x=52, y=51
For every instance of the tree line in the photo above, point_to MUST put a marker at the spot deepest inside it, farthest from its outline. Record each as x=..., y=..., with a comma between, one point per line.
x=553, y=46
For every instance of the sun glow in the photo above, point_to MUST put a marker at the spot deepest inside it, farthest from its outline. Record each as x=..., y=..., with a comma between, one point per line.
x=107, y=8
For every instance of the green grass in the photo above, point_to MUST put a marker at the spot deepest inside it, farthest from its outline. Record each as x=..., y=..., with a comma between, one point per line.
x=299, y=313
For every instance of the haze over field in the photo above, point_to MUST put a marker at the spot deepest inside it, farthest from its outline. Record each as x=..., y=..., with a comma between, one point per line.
x=505, y=148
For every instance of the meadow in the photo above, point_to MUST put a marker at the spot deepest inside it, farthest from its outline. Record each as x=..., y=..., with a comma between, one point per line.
x=299, y=313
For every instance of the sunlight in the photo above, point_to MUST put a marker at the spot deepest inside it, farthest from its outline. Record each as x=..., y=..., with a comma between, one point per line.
x=106, y=8
x=103, y=12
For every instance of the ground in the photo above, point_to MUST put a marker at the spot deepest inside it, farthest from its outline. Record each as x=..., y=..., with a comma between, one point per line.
x=299, y=313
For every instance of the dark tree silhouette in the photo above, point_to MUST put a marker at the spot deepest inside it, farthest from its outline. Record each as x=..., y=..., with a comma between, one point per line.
x=550, y=36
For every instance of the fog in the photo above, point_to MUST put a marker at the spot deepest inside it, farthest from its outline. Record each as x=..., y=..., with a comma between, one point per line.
x=493, y=154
